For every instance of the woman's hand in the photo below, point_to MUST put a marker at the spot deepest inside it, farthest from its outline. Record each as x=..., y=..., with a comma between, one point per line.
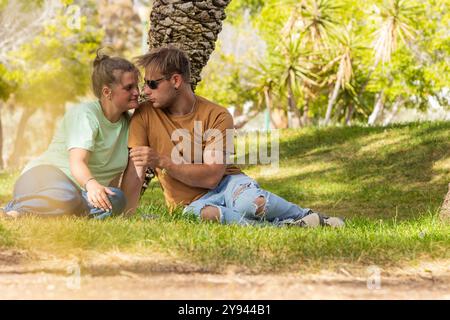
x=98, y=195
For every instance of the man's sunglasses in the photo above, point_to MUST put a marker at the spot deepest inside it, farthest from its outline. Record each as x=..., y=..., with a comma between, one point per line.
x=153, y=84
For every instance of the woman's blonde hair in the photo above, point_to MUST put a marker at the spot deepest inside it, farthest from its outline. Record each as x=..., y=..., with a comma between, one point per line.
x=108, y=71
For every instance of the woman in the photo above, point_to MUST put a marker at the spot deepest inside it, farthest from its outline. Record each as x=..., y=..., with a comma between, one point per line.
x=80, y=171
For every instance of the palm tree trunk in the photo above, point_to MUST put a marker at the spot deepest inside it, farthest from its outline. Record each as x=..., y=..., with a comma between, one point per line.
x=293, y=113
x=332, y=101
x=350, y=111
x=190, y=25
x=268, y=100
x=305, y=118
x=279, y=118
x=379, y=105
x=244, y=119
x=397, y=103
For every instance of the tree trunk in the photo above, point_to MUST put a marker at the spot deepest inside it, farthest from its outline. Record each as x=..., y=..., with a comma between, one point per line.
x=268, y=100
x=397, y=103
x=444, y=212
x=52, y=116
x=244, y=119
x=377, y=110
x=189, y=25
x=339, y=111
x=350, y=111
x=305, y=117
x=332, y=101
x=19, y=144
x=293, y=112
x=278, y=118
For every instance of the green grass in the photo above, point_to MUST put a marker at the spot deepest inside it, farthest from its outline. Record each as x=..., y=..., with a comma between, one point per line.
x=387, y=182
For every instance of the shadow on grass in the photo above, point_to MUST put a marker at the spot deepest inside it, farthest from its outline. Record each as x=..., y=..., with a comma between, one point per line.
x=375, y=172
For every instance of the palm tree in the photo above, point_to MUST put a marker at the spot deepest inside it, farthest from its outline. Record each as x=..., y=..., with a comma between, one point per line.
x=315, y=20
x=346, y=45
x=190, y=25
x=264, y=84
x=294, y=65
x=397, y=18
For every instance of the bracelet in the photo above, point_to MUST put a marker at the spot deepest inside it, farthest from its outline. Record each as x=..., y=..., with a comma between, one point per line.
x=85, y=184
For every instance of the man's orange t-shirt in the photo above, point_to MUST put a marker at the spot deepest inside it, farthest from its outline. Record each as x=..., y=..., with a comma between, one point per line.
x=154, y=128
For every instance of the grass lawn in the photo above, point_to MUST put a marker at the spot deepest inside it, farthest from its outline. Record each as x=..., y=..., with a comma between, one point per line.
x=387, y=182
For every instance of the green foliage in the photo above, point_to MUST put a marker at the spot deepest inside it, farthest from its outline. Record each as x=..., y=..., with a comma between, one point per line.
x=236, y=9
x=398, y=46
x=228, y=83
x=6, y=87
x=55, y=66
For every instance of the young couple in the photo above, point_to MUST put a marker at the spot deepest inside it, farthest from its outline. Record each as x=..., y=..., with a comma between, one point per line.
x=88, y=170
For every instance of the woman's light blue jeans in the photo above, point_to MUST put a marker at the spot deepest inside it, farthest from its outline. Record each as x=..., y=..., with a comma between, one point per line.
x=235, y=198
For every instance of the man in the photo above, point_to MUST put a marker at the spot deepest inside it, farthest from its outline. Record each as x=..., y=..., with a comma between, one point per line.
x=164, y=135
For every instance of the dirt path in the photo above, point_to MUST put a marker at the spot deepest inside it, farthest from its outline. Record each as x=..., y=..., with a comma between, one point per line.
x=119, y=276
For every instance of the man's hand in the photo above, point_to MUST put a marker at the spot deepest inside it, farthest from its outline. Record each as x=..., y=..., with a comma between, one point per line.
x=205, y=175
x=146, y=157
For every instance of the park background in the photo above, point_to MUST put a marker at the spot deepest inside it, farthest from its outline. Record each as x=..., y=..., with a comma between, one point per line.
x=358, y=89
x=276, y=64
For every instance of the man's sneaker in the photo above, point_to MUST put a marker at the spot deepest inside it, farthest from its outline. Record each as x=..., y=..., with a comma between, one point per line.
x=334, y=222
x=444, y=212
x=315, y=219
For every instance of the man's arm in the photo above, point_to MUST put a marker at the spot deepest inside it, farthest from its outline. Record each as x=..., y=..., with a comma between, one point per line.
x=205, y=175
x=132, y=181
x=116, y=181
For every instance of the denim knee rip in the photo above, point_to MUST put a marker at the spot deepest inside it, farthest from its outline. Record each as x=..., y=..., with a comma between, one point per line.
x=211, y=205
x=246, y=204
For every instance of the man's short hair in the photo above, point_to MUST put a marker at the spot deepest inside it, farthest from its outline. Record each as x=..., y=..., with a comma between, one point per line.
x=167, y=60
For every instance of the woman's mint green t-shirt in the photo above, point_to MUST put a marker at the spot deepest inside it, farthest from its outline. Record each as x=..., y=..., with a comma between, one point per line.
x=86, y=127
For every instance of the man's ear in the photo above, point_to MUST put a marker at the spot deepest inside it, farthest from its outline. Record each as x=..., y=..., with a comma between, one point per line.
x=106, y=92
x=177, y=81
